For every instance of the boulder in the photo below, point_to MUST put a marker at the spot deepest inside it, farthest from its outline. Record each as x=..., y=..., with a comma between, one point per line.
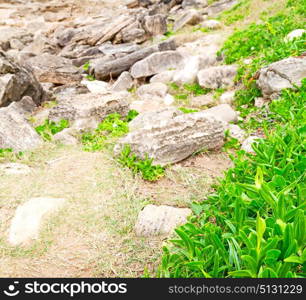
x=151, y=117
x=54, y=69
x=157, y=63
x=143, y=106
x=194, y=3
x=9, y=34
x=174, y=139
x=155, y=25
x=160, y=220
x=110, y=49
x=25, y=106
x=223, y=112
x=66, y=137
x=124, y=82
x=16, y=82
x=188, y=74
x=89, y=105
x=227, y=97
x=237, y=133
x=152, y=90
x=202, y=101
x=15, y=132
x=190, y=17
x=163, y=77
x=281, y=75
x=28, y=217
x=217, y=77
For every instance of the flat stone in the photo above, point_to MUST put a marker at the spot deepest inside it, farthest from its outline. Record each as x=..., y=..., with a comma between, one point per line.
x=124, y=82
x=28, y=217
x=160, y=220
x=157, y=63
x=190, y=17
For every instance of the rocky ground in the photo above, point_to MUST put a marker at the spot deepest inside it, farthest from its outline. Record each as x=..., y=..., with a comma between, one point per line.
x=82, y=61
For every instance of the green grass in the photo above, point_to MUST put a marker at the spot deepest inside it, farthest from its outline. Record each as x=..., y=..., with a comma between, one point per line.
x=254, y=224
x=108, y=131
x=50, y=128
x=144, y=167
x=187, y=110
x=236, y=13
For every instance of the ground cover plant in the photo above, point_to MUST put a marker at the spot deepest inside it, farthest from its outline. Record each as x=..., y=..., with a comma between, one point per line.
x=254, y=223
x=50, y=128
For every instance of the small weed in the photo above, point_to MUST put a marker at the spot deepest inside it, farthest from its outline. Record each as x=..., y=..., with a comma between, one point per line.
x=86, y=66
x=50, y=128
x=111, y=128
x=90, y=77
x=144, y=167
x=7, y=154
x=187, y=110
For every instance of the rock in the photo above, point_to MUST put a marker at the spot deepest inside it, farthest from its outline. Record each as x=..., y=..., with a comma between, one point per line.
x=152, y=90
x=297, y=33
x=219, y=6
x=247, y=144
x=202, y=101
x=25, y=106
x=54, y=69
x=155, y=25
x=84, y=124
x=143, y=106
x=133, y=33
x=281, y=75
x=259, y=102
x=223, y=112
x=217, y=77
x=169, y=99
x=236, y=132
x=96, y=86
x=103, y=70
x=124, y=82
x=227, y=97
x=190, y=17
x=65, y=137
x=28, y=217
x=160, y=220
x=189, y=72
x=89, y=105
x=15, y=169
x=9, y=33
x=110, y=49
x=211, y=24
x=15, y=132
x=143, y=119
x=172, y=140
x=163, y=77
x=157, y=63
x=17, y=82
x=194, y=3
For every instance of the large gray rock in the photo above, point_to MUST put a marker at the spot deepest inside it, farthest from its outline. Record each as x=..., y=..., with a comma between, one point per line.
x=151, y=117
x=190, y=17
x=160, y=220
x=217, y=77
x=174, y=139
x=9, y=34
x=124, y=82
x=152, y=90
x=281, y=75
x=54, y=69
x=223, y=112
x=17, y=82
x=157, y=63
x=85, y=106
x=156, y=24
x=15, y=132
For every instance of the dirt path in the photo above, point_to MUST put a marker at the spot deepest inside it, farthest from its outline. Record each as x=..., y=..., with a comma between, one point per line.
x=93, y=234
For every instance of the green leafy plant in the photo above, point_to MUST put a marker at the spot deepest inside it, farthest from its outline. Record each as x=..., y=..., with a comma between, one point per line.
x=110, y=129
x=254, y=223
x=187, y=110
x=145, y=166
x=50, y=128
